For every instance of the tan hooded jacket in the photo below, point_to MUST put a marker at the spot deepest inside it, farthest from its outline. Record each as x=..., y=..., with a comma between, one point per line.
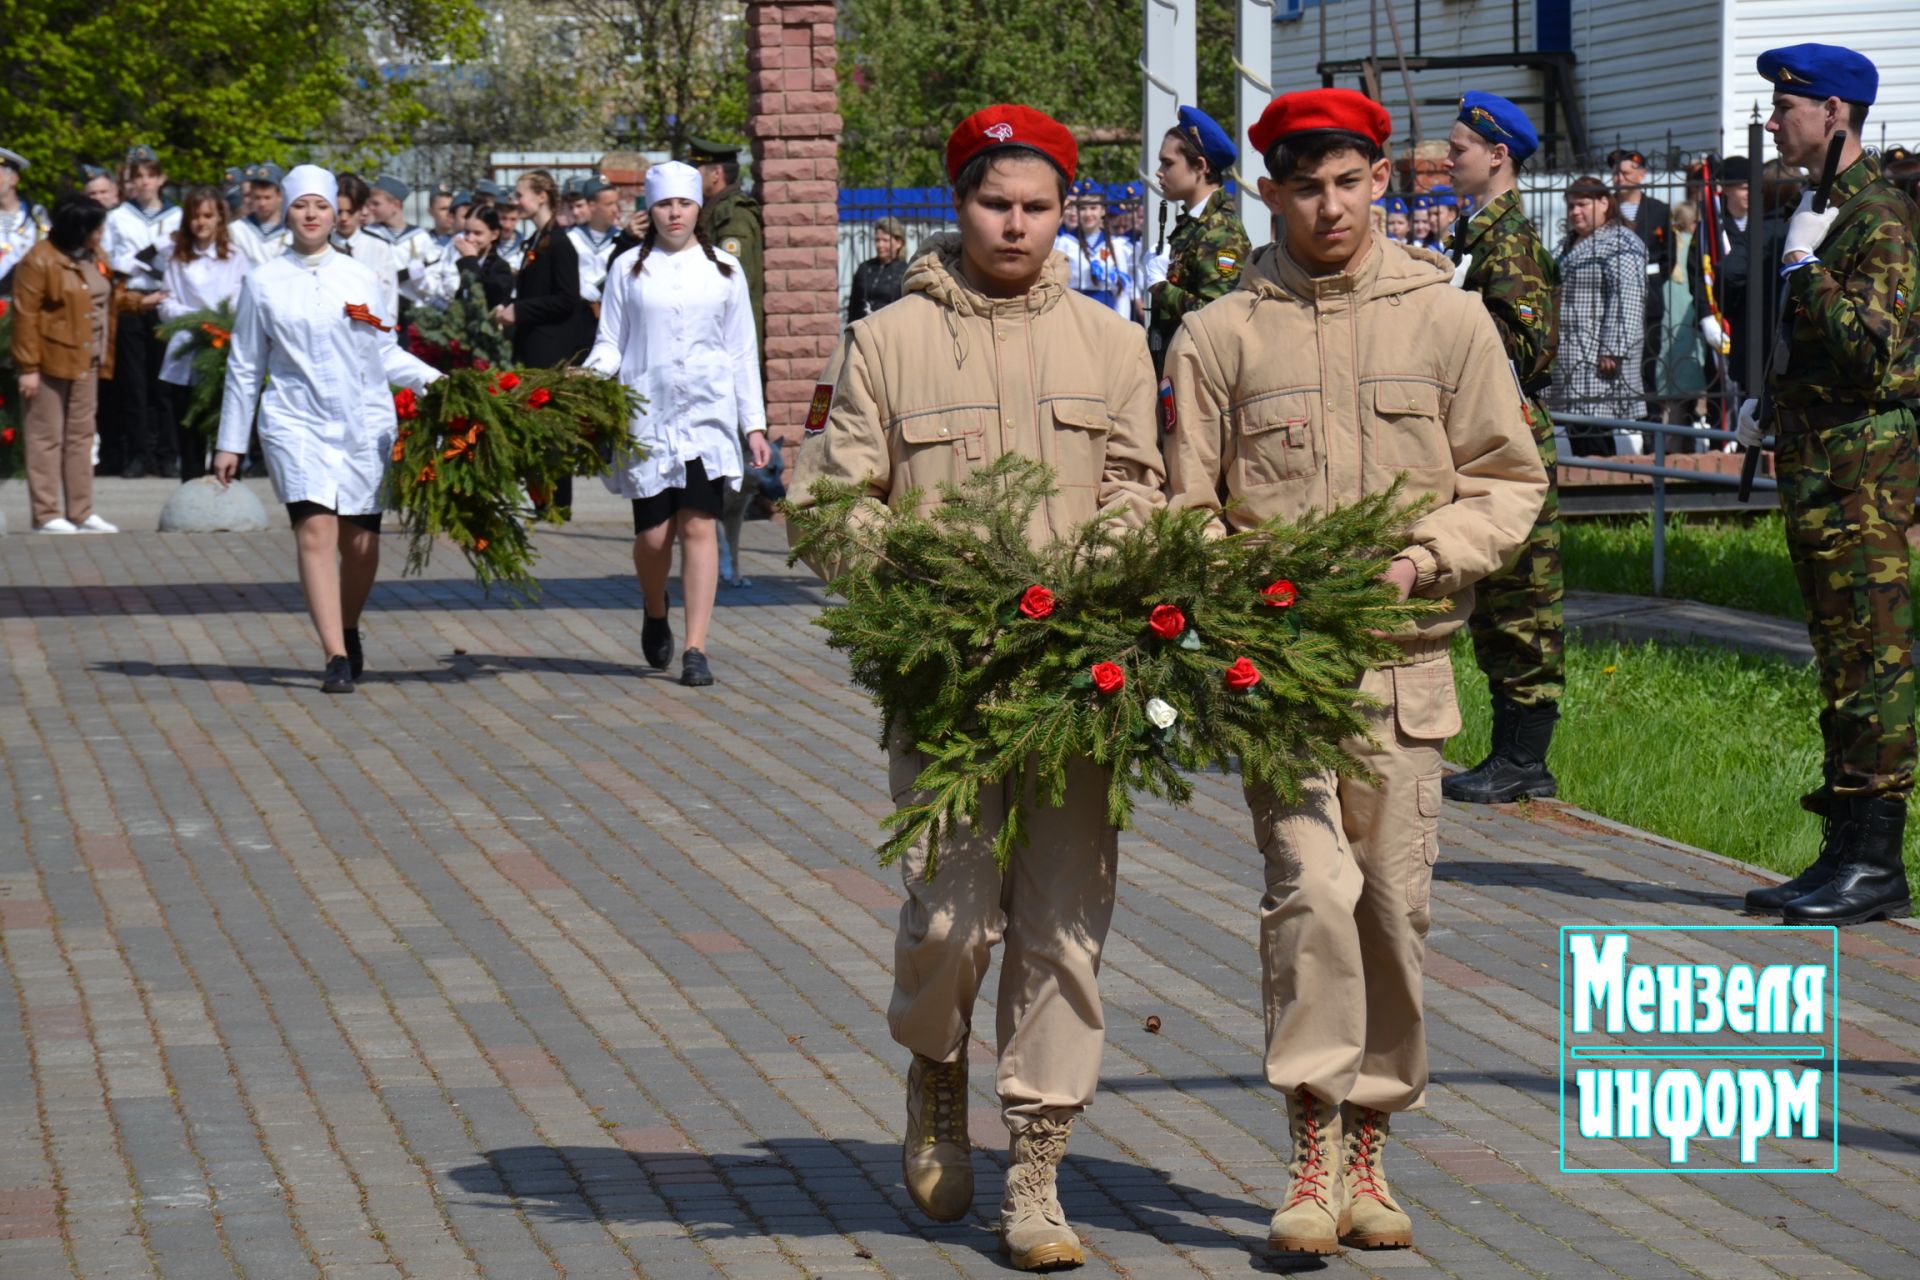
x=1296, y=392
x=946, y=380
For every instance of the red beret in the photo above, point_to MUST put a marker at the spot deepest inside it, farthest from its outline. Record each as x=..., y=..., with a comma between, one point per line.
x=1346, y=109
x=1011, y=125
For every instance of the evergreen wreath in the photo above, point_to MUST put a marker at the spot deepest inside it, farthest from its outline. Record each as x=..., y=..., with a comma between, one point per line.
x=1153, y=651
x=460, y=335
x=209, y=333
x=480, y=450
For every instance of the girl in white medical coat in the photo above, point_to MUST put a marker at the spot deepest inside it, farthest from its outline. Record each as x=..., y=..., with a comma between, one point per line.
x=676, y=325
x=311, y=351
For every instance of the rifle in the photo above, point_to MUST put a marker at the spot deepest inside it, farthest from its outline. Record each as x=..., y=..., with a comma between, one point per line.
x=1783, y=327
x=1156, y=338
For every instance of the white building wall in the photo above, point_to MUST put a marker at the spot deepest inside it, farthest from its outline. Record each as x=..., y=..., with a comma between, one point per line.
x=1887, y=31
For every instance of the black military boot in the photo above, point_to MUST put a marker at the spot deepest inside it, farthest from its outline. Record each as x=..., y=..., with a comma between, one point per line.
x=1516, y=767
x=1871, y=879
x=1833, y=839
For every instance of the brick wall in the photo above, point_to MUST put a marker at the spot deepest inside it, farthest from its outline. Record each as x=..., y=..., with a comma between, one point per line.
x=795, y=127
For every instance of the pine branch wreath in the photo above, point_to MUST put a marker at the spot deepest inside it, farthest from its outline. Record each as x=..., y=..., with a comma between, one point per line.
x=1153, y=651
x=209, y=333
x=480, y=450
x=460, y=335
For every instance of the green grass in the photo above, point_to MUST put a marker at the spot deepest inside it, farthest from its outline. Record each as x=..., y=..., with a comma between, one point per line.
x=1739, y=563
x=1703, y=746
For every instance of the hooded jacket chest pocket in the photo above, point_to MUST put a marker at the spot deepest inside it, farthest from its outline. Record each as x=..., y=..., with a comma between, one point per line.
x=1405, y=431
x=936, y=445
x=1077, y=443
x=1278, y=437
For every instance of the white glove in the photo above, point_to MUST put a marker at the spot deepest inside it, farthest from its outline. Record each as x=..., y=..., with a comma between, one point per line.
x=1156, y=269
x=1460, y=272
x=1746, y=427
x=1716, y=336
x=1808, y=228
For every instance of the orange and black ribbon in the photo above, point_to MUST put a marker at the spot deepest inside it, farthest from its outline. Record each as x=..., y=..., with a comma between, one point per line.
x=361, y=312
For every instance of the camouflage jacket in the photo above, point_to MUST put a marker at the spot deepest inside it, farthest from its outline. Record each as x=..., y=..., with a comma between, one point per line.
x=1514, y=275
x=1205, y=253
x=1851, y=313
x=732, y=222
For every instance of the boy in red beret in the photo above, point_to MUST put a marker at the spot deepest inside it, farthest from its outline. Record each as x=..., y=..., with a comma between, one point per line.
x=988, y=352
x=1345, y=362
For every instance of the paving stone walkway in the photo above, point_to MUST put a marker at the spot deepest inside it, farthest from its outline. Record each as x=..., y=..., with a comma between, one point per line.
x=526, y=962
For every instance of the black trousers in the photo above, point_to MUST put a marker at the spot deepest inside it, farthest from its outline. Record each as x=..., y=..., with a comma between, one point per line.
x=189, y=446
x=139, y=420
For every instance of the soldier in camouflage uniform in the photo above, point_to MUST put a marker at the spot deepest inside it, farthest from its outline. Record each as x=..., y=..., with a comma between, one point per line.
x=730, y=220
x=1845, y=454
x=1517, y=620
x=1202, y=261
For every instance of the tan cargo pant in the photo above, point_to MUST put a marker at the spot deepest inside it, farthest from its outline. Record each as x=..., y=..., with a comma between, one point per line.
x=1052, y=909
x=1343, y=924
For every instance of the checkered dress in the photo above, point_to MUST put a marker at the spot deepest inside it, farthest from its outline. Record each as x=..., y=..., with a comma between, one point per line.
x=1603, y=283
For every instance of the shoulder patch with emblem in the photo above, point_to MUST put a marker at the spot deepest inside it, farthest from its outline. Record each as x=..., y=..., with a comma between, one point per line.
x=732, y=245
x=821, y=407
x=1228, y=264
x=1526, y=313
x=1169, y=418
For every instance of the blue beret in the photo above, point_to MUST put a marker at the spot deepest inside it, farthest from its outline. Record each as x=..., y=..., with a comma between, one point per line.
x=1420, y=204
x=1215, y=143
x=1497, y=120
x=1443, y=197
x=1396, y=205
x=1821, y=71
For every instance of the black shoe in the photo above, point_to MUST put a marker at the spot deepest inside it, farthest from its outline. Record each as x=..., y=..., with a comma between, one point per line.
x=694, y=671
x=170, y=468
x=136, y=469
x=1833, y=838
x=656, y=642
x=339, y=675
x=1516, y=767
x=355, y=655
x=1871, y=878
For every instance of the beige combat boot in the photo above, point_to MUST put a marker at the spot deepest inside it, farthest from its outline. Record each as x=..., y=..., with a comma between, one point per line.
x=1033, y=1226
x=1375, y=1219
x=936, y=1159
x=1313, y=1213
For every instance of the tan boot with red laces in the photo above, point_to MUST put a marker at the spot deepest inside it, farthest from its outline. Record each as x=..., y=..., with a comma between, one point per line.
x=1375, y=1219
x=1313, y=1212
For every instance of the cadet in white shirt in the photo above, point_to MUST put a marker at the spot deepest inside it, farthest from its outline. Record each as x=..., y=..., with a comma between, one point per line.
x=350, y=230
x=204, y=269
x=593, y=238
x=138, y=431
x=262, y=234
x=414, y=249
x=23, y=224
x=676, y=325
x=311, y=352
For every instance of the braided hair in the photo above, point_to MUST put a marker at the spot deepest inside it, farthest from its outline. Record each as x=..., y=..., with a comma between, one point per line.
x=699, y=234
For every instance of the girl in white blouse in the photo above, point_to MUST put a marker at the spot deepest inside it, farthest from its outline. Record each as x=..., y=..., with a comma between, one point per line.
x=311, y=352
x=676, y=325
x=204, y=269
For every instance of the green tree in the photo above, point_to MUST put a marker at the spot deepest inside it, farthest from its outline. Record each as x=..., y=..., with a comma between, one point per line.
x=214, y=84
x=670, y=68
x=912, y=69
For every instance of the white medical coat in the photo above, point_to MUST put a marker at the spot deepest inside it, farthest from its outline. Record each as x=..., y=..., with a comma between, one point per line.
x=326, y=415
x=199, y=283
x=682, y=335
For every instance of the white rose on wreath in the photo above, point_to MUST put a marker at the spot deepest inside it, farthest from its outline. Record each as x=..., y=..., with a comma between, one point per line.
x=1161, y=713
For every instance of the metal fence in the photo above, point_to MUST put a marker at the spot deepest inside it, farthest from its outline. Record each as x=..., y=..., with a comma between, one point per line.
x=1659, y=472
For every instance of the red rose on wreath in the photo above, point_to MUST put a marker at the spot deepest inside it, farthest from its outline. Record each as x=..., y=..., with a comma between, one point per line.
x=6, y=433
x=1281, y=594
x=1166, y=621
x=539, y=397
x=1241, y=675
x=509, y=380
x=3, y=306
x=405, y=404
x=478, y=363
x=1107, y=676
x=1036, y=602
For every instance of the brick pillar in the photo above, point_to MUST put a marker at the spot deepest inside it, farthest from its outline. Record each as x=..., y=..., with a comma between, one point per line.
x=795, y=125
